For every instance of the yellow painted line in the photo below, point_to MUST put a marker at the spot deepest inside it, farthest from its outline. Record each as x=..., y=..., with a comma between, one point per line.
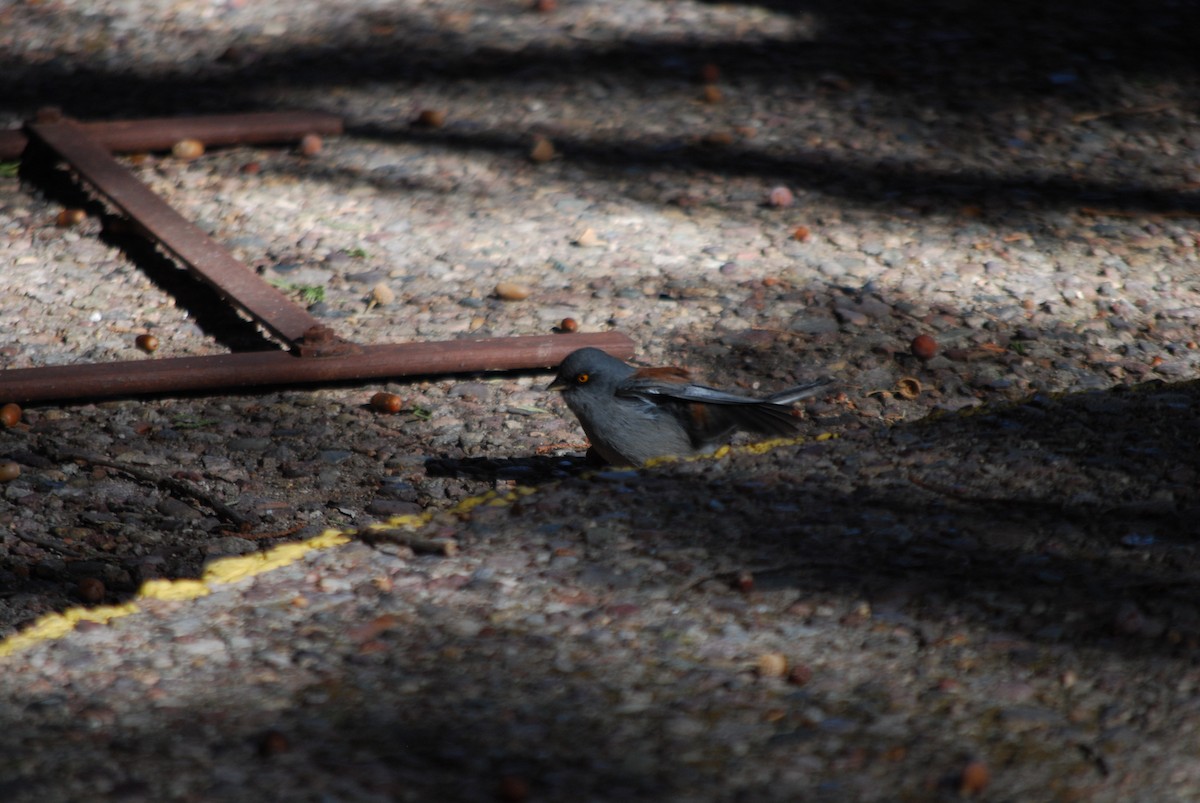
x=220, y=572
x=229, y=570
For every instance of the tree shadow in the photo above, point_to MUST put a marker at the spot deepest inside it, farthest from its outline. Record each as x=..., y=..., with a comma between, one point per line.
x=968, y=72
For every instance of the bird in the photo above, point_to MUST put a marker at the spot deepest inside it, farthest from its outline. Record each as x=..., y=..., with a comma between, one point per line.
x=632, y=415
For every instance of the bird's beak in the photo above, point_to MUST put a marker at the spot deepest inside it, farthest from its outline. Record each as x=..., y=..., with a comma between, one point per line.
x=558, y=384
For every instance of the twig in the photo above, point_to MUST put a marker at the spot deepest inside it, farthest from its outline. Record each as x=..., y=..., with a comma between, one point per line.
x=960, y=493
x=446, y=547
x=46, y=543
x=1087, y=117
x=179, y=487
x=272, y=534
x=1093, y=211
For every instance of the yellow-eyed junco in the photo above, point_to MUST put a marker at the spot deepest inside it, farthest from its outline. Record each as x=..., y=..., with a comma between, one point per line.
x=631, y=415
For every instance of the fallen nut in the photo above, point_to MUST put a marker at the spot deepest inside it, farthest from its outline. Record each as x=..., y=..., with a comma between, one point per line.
x=10, y=415
x=91, y=589
x=147, y=343
x=387, y=402
x=975, y=778
x=188, y=149
x=771, y=665
x=431, y=118
x=923, y=347
x=310, y=145
x=512, y=291
x=908, y=388
x=70, y=217
x=542, y=151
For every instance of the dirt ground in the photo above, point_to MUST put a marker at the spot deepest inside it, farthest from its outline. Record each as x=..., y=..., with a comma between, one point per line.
x=972, y=575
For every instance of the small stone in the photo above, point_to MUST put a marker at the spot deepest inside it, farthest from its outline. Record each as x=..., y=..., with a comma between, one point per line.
x=781, y=197
x=711, y=93
x=512, y=291
x=771, y=665
x=382, y=295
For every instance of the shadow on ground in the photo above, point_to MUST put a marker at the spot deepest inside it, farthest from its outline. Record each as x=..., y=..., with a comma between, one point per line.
x=1062, y=530
x=975, y=66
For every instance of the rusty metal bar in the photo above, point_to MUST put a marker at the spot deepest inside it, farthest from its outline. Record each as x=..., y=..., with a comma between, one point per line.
x=155, y=134
x=202, y=255
x=277, y=368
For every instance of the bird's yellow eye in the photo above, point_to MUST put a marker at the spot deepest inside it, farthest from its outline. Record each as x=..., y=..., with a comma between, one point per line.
x=582, y=378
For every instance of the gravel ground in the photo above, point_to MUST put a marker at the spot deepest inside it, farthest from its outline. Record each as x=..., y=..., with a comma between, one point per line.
x=974, y=576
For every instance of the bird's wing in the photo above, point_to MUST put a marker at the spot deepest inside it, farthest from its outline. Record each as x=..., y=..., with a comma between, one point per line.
x=659, y=390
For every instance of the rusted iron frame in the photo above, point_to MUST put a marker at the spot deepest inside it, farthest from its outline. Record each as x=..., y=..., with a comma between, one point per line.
x=319, y=355
x=278, y=368
x=185, y=241
x=161, y=133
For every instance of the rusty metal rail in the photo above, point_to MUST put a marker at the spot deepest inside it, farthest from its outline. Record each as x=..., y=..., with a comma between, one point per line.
x=317, y=355
x=159, y=134
x=279, y=368
x=188, y=243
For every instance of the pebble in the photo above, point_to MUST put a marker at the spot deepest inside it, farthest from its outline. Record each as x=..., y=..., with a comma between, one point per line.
x=512, y=291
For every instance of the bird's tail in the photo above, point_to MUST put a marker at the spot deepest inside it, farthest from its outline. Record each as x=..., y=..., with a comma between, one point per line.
x=799, y=392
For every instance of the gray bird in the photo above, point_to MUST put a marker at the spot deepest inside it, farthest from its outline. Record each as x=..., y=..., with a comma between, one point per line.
x=632, y=415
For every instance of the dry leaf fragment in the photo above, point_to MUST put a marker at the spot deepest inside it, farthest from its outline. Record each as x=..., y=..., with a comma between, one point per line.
x=588, y=239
